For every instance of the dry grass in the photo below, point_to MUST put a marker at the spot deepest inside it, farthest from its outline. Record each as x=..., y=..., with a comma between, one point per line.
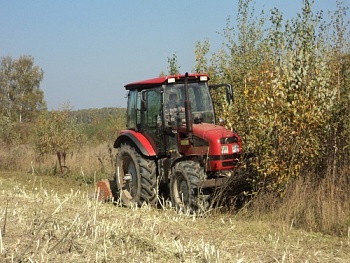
x=41, y=221
x=90, y=163
x=309, y=203
x=322, y=205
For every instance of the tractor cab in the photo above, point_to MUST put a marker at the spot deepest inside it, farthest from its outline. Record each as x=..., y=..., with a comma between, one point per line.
x=174, y=104
x=158, y=107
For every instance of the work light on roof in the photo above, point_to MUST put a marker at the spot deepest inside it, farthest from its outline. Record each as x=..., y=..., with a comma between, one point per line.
x=171, y=80
x=203, y=78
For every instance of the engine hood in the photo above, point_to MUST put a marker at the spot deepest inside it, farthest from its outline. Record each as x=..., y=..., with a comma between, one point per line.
x=206, y=131
x=214, y=134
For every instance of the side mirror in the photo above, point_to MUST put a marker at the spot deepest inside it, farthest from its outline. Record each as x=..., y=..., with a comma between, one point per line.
x=228, y=91
x=229, y=94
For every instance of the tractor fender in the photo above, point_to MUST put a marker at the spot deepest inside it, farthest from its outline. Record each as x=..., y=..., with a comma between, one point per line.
x=193, y=157
x=138, y=139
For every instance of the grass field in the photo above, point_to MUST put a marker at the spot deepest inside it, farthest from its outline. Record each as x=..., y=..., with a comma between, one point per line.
x=52, y=219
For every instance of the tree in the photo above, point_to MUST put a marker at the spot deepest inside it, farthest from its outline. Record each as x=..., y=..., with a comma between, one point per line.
x=173, y=67
x=59, y=134
x=338, y=34
x=201, y=51
x=20, y=94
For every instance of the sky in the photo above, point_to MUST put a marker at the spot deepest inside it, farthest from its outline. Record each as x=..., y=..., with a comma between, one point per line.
x=90, y=49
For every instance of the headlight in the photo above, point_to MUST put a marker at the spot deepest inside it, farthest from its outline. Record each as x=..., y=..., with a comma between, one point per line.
x=235, y=148
x=224, y=149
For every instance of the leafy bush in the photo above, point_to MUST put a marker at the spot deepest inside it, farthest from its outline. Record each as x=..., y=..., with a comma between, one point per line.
x=8, y=132
x=291, y=90
x=57, y=133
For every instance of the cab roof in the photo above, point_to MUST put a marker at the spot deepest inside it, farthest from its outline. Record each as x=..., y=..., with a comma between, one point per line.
x=149, y=83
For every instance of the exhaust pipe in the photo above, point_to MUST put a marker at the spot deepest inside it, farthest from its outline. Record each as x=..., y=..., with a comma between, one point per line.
x=188, y=110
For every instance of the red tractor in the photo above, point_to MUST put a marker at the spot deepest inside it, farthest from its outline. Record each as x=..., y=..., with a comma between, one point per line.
x=172, y=145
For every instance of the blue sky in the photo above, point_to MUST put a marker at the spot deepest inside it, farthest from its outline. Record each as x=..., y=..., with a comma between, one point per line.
x=90, y=49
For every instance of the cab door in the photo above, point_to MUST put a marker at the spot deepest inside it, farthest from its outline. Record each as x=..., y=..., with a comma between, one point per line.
x=151, y=121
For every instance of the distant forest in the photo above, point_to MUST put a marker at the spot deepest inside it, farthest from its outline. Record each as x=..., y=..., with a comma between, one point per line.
x=96, y=116
x=101, y=124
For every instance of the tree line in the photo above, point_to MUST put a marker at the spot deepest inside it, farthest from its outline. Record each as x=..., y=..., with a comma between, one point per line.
x=24, y=116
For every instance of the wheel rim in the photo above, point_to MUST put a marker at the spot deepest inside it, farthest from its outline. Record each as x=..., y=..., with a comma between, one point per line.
x=181, y=191
x=130, y=185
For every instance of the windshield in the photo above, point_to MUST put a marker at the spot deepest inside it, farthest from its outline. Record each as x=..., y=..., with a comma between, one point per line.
x=201, y=105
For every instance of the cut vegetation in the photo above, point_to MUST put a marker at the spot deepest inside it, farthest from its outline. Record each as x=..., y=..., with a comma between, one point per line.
x=41, y=222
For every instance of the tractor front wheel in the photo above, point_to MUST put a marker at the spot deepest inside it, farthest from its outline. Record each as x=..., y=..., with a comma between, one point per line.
x=135, y=177
x=184, y=187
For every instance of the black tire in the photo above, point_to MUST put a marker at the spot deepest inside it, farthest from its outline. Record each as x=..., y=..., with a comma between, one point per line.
x=136, y=181
x=184, y=187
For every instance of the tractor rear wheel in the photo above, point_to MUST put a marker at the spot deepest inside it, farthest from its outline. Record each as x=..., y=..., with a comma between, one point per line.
x=135, y=177
x=184, y=187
